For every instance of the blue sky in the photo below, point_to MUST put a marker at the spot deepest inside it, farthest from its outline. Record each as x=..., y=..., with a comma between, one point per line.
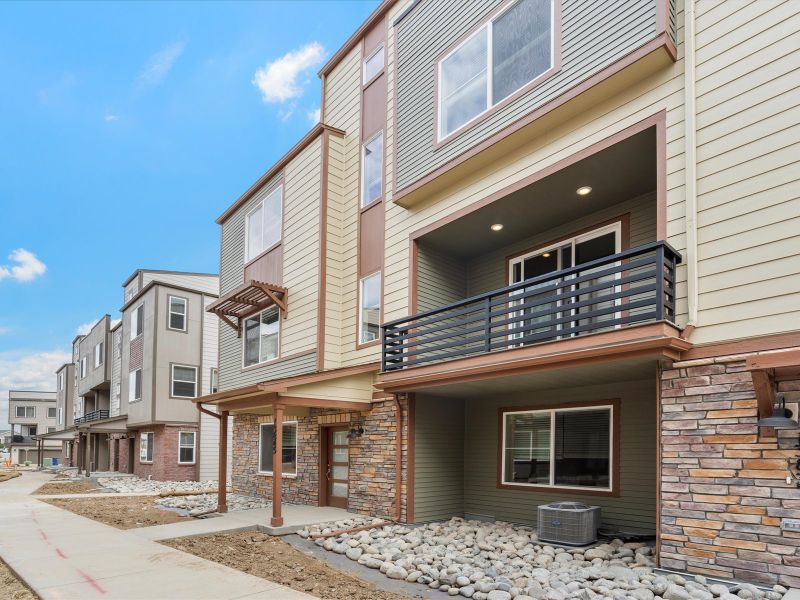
x=125, y=130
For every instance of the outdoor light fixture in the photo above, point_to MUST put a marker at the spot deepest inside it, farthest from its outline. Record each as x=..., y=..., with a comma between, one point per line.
x=584, y=190
x=781, y=417
x=356, y=430
x=496, y=227
x=546, y=255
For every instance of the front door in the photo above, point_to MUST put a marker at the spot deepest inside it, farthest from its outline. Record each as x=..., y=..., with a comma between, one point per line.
x=337, y=465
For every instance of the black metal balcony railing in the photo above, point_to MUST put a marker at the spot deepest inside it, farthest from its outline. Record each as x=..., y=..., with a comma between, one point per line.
x=95, y=415
x=632, y=287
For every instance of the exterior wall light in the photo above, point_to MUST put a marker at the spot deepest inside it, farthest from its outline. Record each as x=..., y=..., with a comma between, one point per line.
x=584, y=190
x=496, y=227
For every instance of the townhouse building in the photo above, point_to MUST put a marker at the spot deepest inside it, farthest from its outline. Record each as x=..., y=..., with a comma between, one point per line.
x=31, y=414
x=534, y=251
x=65, y=407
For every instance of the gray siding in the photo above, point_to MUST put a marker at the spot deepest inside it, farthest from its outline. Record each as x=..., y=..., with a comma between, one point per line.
x=439, y=459
x=441, y=279
x=95, y=376
x=594, y=35
x=232, y=376
x=116, y=372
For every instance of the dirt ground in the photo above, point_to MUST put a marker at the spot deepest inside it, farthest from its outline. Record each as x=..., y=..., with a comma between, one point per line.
x=273, y=559
x=65, y=487
x=12, y=588
x=123, y=513
x=8, y=475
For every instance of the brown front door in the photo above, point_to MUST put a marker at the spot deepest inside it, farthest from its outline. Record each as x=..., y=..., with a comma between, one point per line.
x=337, y=465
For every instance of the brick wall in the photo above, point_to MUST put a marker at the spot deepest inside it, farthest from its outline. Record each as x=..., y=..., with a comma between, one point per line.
x=723, y=488
x=372, y=458
x=123, y=455
x=165, y=465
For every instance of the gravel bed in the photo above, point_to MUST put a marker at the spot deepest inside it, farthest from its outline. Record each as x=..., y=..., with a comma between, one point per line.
x=500, y=561
x=135, y=485
x=195, y=505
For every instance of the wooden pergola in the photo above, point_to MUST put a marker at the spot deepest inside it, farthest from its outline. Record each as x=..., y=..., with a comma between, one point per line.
x=247, y=299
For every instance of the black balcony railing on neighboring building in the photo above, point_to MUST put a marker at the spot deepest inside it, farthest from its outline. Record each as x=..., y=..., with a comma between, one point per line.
x=628, y=288
x=95, y=415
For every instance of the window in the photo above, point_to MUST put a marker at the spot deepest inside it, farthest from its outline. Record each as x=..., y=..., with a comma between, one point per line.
x=146, y=447
x=61, y=381
x=60, y=415
x=503, y=56
x=372, y=165
x=176, y=319
x=261, y=337
x=98, y=354
x=137, y=321
x=370, y=308
x=135, y=385
x=51, y=412
x=26, y=412
x=184, y=381
x=266, y=447
x=32, y=430
x=83, y=367
x=559, y=447
x=373, y=64
x=186, y=448
x=264, y=224
x=214, y=380
x=51, y=429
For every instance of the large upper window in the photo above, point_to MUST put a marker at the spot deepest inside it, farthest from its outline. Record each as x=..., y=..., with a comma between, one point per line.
x=61, y=381
x=137, y=321
x=135, y=385
x=184, y=381
x=177, y=313
x=372, y=164
x=504, y=55
x=98, y=354
x=373, y=64
x=569, y=447
x=264, y=224
x=27, y=412
x=261, y=337
x=266, y=448
x=370, y=308
x=83, y=367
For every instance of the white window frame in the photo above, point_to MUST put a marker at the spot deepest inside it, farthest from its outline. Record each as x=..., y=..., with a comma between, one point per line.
x=185, y=314
x=213, y=380
x=98, y=352
x=172, y=380
x=611, y=442
x=379, y=48
x=254, y=208
x=61, y=380
x=364, y=202
x=487, y=28
x=244, y=338
x=83, y=368
x=51, y=429
x=145, y=445
x=132, y=386
x=60, y=415
x=55, y=412
x=24, y=414
x=135, y=321
x=361, y=283
x=193, y=447
x=297, y=449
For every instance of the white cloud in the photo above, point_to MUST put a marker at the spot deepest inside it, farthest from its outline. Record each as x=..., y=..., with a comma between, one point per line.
x=158, y=66
x=114, y=323
x=278, y=80
x=28, y=371
x=4, y=330
x=85, y=328
x=111, y=118
x=28, y=267
x=314, y=115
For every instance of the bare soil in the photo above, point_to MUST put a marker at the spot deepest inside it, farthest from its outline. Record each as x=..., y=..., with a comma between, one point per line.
x=65, y=487
x=9, y=475
x=12, y=588
x=128, y=512
x=273, y=559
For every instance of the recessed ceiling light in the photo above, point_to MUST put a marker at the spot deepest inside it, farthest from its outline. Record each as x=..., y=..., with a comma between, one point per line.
x=583, y=190
x=496, y=227
x=546, y=255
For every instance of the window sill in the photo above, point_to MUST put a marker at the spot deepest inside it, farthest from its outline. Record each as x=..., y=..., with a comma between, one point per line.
x=283, y=475
x=186, y=464
x=586, y=491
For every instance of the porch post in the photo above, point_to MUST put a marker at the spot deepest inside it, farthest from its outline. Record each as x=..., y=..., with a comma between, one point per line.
x=222, y=491
x=87, y=460
x=277, y=468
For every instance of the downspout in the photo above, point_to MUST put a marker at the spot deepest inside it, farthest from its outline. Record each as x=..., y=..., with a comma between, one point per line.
x=690, y=127
x=398, y=457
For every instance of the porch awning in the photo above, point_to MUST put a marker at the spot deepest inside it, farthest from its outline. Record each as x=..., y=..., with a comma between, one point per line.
x=248, y=298
x=66, y=434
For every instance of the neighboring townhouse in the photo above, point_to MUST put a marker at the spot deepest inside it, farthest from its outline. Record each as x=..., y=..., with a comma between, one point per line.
x=31, y=414
x=167, y=347
x=65, y=406
x=534, y=251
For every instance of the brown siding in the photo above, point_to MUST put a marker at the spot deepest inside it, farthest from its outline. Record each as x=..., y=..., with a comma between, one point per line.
x=267, y=268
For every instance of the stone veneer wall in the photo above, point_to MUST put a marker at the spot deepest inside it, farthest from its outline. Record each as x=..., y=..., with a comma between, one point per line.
x=723, y=488
x=165, y=465
x=372, y=458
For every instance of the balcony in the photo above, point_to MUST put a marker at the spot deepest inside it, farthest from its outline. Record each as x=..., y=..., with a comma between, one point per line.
x=95, y=415
x=622, y=290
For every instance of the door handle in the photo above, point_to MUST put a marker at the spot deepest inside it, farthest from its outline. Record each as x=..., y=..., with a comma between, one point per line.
x=328, y=473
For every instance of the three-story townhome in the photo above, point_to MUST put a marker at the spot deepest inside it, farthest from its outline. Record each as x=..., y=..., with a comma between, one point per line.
x=537, y=250
x=65, y=420
x=30, y=415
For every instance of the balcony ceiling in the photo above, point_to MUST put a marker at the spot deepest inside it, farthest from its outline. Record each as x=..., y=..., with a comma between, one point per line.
x=623, y=171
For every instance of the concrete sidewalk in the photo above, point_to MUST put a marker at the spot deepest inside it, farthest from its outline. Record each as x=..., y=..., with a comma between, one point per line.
x=61, y=556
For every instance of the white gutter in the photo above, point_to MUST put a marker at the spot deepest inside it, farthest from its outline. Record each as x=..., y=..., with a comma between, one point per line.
x=690, y=127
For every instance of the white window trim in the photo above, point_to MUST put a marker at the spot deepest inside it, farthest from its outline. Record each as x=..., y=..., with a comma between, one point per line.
x=185, y=314
x=193, y=447
x=611, y=441
x=61, y=381
x=297, y=448
x=152, y=448
x=370, y=56
x=24, y=411
x=362, y=200
x=172, y=380
x=60, y=415
x=132, y=388
x=55, y=412
x=244, y=339
x=361, y=308
x=83, y=367
x=489, y=72
x=98, y=354
x=134, y=312
x=254, y=208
